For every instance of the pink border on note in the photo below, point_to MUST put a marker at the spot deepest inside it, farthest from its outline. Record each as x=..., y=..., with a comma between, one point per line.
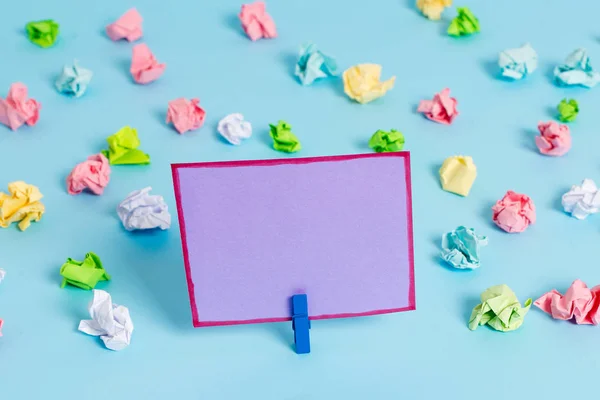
x=244, y=163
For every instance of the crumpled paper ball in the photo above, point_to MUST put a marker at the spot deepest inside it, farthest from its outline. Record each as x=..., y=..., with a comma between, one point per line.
x=579, y=303
x=140, y=210
x=514, y=212
x=22, y=204
x=441, y=109
x=518, y=63
x=577, y=70
x=433, y=9
x=17, y=109
x=554, y=139
x=185, y=115
x=567, y=110
x=582, y=200
x=256, y=22
x=313, y=64
x=233, y=128
x=499, y=309
x=362, y=83
x=460, y=248
x=93, y=174
x=457, y=174
x=73, y=80
x=387, y=141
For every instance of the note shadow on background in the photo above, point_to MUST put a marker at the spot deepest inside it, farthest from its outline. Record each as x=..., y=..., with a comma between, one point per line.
x=265, y=137
x=362, y=144
x=288, y=61
x=435, y=173
x=555, y=203
x=161, y=117
x=220, y=137
x=124, y=64
x=156, y=260
x=549, y=74
x=411, y=5
x=232, y=21
x=486, y=214
x=528, y=140
x=468, y=304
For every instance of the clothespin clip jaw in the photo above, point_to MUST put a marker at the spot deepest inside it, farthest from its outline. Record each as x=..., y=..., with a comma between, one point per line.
x=301, y=323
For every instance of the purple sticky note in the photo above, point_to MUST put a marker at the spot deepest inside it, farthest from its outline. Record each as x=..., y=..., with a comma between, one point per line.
x=338, y=228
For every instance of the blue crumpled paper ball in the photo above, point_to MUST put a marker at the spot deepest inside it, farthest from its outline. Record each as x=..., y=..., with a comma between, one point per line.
x=460, y=248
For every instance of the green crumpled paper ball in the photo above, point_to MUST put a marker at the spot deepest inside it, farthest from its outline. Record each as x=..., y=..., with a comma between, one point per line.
x=464, y=24
x=83, y=274
x=567, y=110
x=123, y=148
x=43, y=33
x=283, y=138
x=384, y=141
x=499, y=309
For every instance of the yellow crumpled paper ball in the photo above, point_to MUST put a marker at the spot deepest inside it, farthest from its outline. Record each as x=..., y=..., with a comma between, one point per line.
x=22, y=205
x=457, y=174
x=362, y=84
x=433, y=9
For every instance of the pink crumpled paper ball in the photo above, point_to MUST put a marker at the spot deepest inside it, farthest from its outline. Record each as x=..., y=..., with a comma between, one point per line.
x=554, y=139
x=441, y=109
x=186, y=115
x=128, y=26
x=144, y=66
x=514, y=212
x=256, y=22
x=93, y=174
x=1, y=323
x=17, y=109
x=578, y=302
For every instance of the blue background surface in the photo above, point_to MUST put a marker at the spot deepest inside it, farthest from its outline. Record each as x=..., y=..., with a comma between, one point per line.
x=425, y=354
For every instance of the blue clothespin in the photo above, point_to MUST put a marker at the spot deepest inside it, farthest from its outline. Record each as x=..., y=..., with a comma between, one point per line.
x=301, y=323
